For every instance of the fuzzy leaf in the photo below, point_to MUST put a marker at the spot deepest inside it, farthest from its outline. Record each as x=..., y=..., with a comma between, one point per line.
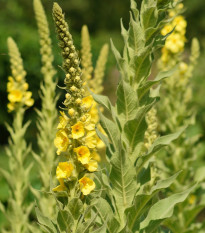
x=103, y=100
x=133, y=213
x=148, y=14
x=110, y=129
x=84, y=227
x=141, y=66
x=46, y=222
x=134, y=129
x=104, y=211
x=76, y=207
x=162, y=209
x=127, y=101
x=143, y=90
x=65, y=220
x=158, y=144
x=122, y=180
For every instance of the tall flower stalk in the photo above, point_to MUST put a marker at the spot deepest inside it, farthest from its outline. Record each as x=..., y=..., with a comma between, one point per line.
x=174, y=111
x=76, y=131
x=93, y=78
x=47, y=116
x=18, y=210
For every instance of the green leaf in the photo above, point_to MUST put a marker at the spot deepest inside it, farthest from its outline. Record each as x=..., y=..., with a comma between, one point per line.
x=141, y=66
x=104, y=211
x=136, y=40
x=134, y=129
x=133, y=6
x=122, y=180
x=76, y=207
x=148, y=14
x=110, y=129
x=65, y=220
x=143, y=90
x=199, y=174
x=103, y=100
x=133, y=213
x=120, y=61
x=84, y=227
x=158, y=144
x=45, y=221
x=162, y=209
x=166, y=140
x=127, y=101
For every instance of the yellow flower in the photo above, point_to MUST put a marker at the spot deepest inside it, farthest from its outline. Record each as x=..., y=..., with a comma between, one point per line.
x=78, y=130
x=61, y=187
x=87, y=101
x=166, y=29
x=10, y=84
x=183, y=67
x=92, y=166
x=88, y=125
x=15, y=96
x=175, y=43
x=95, y=156
x=164, y=54
x=71, y=112
x=19, y=78
x=63, y=120
x=192, y=199
x=25, y=86
x=10, y=107
x=28, y=100
x=83, y=154
x=179, y=23
x=90, y=139
x=61, y=141
x=86, y=185
x=64, y=170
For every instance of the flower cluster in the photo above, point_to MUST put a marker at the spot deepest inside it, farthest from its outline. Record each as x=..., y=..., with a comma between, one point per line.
x=176, y=40
x=17, y=87
x=76, y=137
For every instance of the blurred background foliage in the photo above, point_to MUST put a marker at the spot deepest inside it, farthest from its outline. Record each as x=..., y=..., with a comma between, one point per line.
x=102, y=17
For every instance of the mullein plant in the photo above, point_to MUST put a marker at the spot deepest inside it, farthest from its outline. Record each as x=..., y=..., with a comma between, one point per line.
x=18, y=210
x=93, y=78
x=174, y=111
x=75, y=142
x=129, y=201
x=47, y=116
x=114, y=198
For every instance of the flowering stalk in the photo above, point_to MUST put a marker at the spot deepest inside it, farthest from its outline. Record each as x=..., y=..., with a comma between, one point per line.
x=175, y=110
x=47, y=117
x=76, y=131
x=18, y=210
x=75, y=141
x=93, y=81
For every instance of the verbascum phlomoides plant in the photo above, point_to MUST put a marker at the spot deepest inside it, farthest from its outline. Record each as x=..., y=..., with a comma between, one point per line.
x=18, y=209
x=126, y=205
x=75, y=142
x=93, y=78
x=116, y=198
x=176, y=109
x=47, y=116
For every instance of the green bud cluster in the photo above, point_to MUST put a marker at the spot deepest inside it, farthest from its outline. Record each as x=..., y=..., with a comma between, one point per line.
x=16, y=61
x=45, y=41
x=152, y=124
x=86, y=55
x=96, y=82
x=71, y=63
